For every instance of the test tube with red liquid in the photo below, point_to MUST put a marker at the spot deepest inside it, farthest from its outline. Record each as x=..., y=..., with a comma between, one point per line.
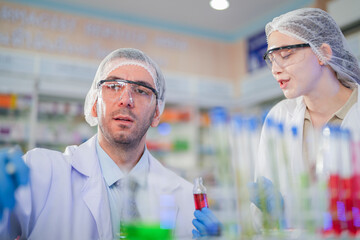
x=356, y=186
x=199, y=192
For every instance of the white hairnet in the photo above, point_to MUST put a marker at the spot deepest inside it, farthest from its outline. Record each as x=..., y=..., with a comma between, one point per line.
x=315, y=26
x=117, y=58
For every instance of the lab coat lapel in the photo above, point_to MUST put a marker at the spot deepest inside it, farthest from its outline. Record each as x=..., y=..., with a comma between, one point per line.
x=94, y=191
x=297, y=115
x=160, y=178
x=297, y=119
x=351, y=120
x=162, y=183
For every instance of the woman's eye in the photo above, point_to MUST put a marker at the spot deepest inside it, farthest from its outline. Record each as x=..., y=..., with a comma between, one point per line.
x=286, y=54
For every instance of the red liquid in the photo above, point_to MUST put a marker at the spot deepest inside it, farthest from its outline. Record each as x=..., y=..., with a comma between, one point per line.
x=200, y=201
x=355, y=193
x=334, y=185
x=356, y=203
x=347, y=222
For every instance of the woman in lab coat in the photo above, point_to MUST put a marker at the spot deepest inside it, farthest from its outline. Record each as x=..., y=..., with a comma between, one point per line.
x=80, y=194
x=309, y=58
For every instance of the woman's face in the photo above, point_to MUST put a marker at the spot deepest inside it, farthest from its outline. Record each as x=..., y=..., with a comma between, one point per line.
x=300, y=77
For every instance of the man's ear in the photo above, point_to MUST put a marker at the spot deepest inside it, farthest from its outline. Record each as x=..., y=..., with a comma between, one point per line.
x=326, y=51
x=94, y=109
x=156, y=118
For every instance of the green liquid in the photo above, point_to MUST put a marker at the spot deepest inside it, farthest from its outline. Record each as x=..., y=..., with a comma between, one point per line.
x=144, y=231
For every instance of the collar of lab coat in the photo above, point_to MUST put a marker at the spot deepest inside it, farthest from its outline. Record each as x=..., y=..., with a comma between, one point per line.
x=84, y=158
x=86, y=162
x=298, y=112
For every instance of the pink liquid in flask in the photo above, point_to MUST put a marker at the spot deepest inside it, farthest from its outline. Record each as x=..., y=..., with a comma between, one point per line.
x=200, y=201
x=200, y=197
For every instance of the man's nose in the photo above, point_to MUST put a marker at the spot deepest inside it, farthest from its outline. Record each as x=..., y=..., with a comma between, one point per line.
x=126, y=98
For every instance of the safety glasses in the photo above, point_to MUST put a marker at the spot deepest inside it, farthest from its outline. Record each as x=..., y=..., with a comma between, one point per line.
x=285, y=56
x=115, y=89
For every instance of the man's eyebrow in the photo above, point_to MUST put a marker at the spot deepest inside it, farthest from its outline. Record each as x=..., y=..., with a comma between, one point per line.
x=144, y=83
x=114, y=78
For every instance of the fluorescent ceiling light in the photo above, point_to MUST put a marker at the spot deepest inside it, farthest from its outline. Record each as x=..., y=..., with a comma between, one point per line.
x=219, y=4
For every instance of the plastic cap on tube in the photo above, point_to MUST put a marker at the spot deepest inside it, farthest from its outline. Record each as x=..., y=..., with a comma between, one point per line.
x=294, y=131
x=281, y=128
x=218, y=115
x=253, y=124
x=239, y=121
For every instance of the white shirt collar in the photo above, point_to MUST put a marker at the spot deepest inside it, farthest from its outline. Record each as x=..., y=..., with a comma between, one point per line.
x=113, y=174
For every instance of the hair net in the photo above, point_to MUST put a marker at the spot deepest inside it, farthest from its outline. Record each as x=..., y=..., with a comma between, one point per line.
x=315, y=26
x=121, y=57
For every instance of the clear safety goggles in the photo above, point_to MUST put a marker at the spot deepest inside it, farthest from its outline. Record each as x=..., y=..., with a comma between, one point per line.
x=138, y=92
x=285, y=56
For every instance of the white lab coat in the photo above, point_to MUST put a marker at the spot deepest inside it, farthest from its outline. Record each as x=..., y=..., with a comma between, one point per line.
x=291, y=112
x=67, y=197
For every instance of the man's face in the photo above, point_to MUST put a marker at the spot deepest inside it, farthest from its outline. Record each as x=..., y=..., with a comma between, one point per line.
x=125, y=119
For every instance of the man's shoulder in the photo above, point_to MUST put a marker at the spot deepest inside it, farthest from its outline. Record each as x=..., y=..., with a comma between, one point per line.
x=41, y=154
x=44, y=155
x=42, y=159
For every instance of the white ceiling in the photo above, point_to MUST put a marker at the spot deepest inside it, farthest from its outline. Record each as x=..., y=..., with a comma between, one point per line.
x=195, y=17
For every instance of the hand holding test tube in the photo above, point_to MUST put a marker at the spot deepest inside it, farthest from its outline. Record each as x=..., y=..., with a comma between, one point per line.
x=205, y=221
x=200, y=196
x=13, y=173
x=266, y=197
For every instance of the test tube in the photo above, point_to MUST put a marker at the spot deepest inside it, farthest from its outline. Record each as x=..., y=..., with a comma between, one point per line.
x=244, y=138
x=224, y=171
x=334, y=182
x=346, y=218
x=355, y=192
x=268, y=219
x=199, y=192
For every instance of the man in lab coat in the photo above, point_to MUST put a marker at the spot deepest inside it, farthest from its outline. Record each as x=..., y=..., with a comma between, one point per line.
x=80, y=194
